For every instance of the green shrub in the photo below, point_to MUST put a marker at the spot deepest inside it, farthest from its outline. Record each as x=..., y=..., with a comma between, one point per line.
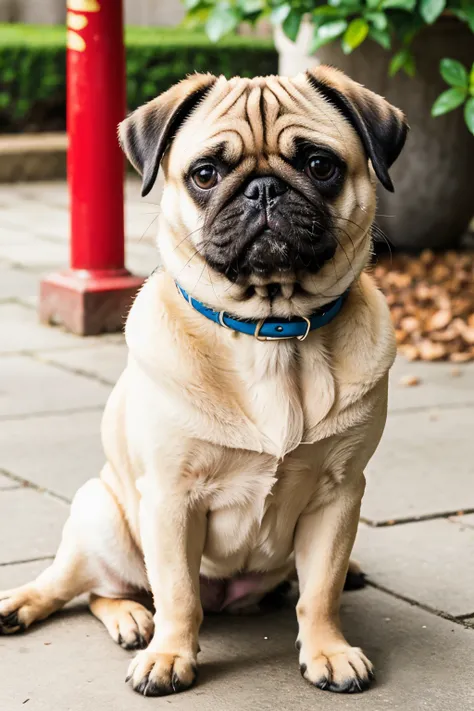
x=33, y=73
x=393, y=24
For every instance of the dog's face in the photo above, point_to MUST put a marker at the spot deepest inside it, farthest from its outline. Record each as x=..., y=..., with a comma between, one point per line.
x=268, y=196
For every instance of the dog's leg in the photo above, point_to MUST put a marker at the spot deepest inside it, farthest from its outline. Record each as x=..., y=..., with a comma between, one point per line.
x=128, y=622
x=95, y=543
x=323, y=543
x=173, y=540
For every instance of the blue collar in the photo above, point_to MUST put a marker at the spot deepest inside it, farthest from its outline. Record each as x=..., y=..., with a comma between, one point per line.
x=270, y=329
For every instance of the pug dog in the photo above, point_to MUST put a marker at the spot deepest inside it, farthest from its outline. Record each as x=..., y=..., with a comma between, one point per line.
x=256, y=386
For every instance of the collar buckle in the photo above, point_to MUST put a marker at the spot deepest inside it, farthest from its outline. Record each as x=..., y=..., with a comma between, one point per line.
x=308, y=329
x=261, y=323
x=220, y=318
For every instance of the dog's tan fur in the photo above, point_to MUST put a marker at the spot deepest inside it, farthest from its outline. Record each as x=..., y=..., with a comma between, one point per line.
x=225, y=454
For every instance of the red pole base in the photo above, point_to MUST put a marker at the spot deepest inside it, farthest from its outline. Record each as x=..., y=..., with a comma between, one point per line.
x=88, y=303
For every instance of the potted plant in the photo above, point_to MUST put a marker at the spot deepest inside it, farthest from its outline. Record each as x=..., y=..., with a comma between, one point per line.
x=418, y=54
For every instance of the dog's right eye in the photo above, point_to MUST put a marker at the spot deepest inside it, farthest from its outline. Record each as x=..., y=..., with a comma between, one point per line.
x=321, y=167
x=205, y=177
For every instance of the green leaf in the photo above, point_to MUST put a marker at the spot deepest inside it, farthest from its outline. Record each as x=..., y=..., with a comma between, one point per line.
x=448, y=100
x=469, y=114
x=249, y=7
x=326, y=33
x=403, y=59
x=8, y=74
x=408, y=5
x=326, y=11
x=221, y=21
x=373, y=4
x=378, y=20
x=279, y=14
x=430, y=10
x=471, y=80
x=454, y=73
x=191, y=4
x=382, y=38
x=291, y=25
x=354, y=35
x=347, y=5
x=469, y=13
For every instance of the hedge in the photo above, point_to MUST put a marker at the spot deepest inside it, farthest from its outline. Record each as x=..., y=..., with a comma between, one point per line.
x=32, y=68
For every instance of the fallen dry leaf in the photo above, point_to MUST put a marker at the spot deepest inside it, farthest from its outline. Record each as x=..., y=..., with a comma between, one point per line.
x=400, y=335
x=461, y=357
x=431, y=300
x=409, y=351
x=408, y=381
x=431, y=351
x=440, y=273
x=410, y=324
x=450, y=334
x=439, y=320
x=468, y=335
x=427, y=256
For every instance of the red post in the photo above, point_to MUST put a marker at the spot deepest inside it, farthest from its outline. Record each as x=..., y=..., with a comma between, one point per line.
x=95, y=293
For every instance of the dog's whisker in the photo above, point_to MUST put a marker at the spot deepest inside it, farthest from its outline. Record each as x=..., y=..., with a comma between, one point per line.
x=186, y=237
x=146, y=230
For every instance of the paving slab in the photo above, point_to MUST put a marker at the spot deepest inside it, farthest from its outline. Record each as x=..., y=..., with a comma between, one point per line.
x=428, y=561
x=50, y=222
x=142, y=258
x=52, y=192
x=247, y=663
x=62, y=451
x=44, y=255
x=103, y=361
x=30, y=524
x=29, y=387
x=8, y=483
x=423, y=466
x=16, y=574
x=21, y=331
x=467, y=520
x=17, y=284
x=12, y=236
x=441, y=385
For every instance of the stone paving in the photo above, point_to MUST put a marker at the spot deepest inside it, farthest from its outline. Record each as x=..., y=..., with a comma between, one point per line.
x=415, y=619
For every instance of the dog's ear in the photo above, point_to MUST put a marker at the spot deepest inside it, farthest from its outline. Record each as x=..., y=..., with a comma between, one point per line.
x=146, y=133
x=381, y=127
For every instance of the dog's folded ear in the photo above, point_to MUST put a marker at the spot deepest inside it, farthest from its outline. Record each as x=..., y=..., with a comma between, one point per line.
x=381, y=127
x=145, y=134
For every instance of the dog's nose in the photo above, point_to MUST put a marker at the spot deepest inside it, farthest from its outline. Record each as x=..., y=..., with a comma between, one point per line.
x=265, y=190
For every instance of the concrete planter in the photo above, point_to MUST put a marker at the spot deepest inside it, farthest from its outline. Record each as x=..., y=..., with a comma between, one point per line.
x=434, y=177
x=32, y=156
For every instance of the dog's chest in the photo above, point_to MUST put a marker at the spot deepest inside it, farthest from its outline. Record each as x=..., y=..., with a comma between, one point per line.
x=273, y=400
x=261, y=495
x=288, y=391
x=254, y=508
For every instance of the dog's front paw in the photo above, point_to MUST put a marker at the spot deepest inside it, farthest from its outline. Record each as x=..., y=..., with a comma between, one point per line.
x=158, y=674
x=345, y=669
x=20, y=607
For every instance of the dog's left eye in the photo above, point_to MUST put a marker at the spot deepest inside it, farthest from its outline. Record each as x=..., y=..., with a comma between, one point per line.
x=205, y=177
x=321, y=167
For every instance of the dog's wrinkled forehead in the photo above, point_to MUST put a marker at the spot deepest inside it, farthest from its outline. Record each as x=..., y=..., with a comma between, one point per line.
x=261, y=116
